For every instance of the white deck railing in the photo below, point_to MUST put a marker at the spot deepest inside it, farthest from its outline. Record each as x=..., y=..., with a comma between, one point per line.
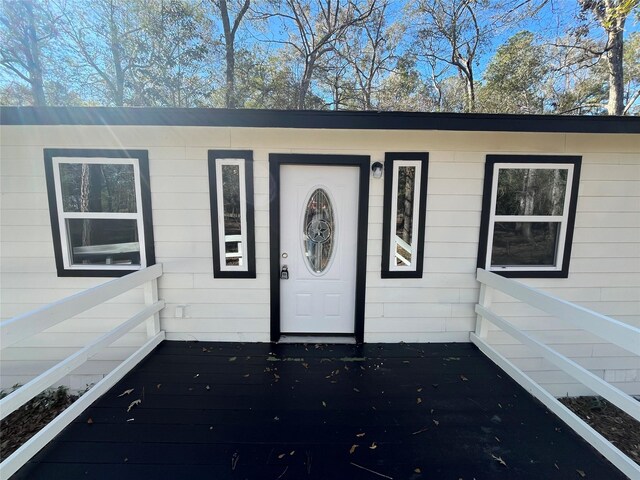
x=237, y=239
x=24, y=326
x=399, y=242
x=613, y=331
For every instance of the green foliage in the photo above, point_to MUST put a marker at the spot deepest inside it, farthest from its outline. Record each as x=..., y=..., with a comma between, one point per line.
x=514, y=78
x=361, y=54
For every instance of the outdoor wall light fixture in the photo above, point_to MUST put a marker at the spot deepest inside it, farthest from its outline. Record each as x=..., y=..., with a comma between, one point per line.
x=377, y=168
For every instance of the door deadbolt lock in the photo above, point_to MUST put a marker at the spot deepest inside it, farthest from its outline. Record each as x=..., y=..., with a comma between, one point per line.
x=284, y=273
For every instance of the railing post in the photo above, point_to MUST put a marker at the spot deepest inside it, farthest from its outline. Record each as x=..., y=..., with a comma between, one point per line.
x=151, y=297
x=484, y=299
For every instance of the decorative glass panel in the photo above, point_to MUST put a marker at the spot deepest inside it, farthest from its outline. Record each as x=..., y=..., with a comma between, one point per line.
x=232, y=214
x=404, y=216
x=533, y=191
x=95, y=187
x=524, y=243
x=318, y=231
x=103, y=241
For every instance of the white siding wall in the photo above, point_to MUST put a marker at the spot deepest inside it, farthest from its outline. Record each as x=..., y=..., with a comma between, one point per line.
x=605, y=265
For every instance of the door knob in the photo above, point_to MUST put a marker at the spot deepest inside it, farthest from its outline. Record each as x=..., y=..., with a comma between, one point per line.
x=284, y=273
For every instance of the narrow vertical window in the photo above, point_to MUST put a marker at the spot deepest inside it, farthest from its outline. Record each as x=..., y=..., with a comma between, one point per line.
x=231, y=191
x=405, y=200
x=528, y=215
x=100, y=208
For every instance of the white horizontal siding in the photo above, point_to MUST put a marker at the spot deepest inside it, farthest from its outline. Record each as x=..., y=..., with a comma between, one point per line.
x=605, y=265
x=604, y=276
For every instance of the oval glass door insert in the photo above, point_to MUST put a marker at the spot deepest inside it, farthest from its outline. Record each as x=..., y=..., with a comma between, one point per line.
x=319, y=228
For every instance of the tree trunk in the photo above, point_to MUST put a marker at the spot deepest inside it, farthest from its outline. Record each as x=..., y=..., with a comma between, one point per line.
x=114, y=38
x=407, y=214
x=615, y=106
x=85, y=191
x=35, y=67
x=529, y=202
x=306, y=81
x=230, y=58
x=230, y=94
x=471, y=90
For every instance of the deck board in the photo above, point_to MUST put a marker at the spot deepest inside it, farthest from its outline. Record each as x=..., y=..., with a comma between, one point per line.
x=230, y=410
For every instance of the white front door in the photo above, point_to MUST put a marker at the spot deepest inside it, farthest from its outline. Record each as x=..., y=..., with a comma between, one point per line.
x=318, y=243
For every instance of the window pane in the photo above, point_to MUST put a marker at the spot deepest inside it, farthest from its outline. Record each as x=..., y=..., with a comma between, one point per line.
x=232, y=214
x=534, y=191
x=319, y=227
x=404, y=215
x=103, y=242
x=524, y=243
x=90, y=187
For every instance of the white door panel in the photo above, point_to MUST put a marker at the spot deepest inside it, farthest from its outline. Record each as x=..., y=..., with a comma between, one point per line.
x=320, y=249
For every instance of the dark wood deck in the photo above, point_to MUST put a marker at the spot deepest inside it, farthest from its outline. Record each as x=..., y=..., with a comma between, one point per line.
x=261, y=411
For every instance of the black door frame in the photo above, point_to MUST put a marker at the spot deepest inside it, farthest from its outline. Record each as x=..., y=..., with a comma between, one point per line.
x=361, y=161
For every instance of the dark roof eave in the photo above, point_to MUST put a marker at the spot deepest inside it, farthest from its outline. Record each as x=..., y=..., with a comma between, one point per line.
x=316, y=119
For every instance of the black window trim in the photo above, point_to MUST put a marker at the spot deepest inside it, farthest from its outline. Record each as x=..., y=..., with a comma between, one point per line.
x=390, y=157
x=145, y=192
x=247, y=156
x=491, y=160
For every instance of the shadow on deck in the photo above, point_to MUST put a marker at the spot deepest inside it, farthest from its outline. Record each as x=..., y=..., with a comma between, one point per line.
x=262, y=411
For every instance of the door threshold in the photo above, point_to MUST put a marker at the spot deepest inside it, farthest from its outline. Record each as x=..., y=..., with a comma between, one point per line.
x=335, y=339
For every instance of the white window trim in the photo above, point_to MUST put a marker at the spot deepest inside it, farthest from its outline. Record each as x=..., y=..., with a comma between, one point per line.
x=63, y=216
x=242, y=247
x=563, y=219
x=417, y=164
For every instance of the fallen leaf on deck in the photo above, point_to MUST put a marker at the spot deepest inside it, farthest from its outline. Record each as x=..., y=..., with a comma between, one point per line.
x=417, y=470
x=418, y=400
x=420, y=389
x=90, y=420
x=557, y=467
x=158, y=386
x=208, y=387
x=353, y=449
x=324, y=403
x=291, y=453
x=373, y=446
x=436, y=422
x=581, y=473
x=126, y=392
x=196, y=375
x=247, y=375
x=233, y=359
x=356, y=390
x=360, y=435
x=463, y=378
x=281, y=455
x=130, y=419
x=497, y=439
x=234, y=460
x=305, y=365
x=133, y=404
x=499, y=460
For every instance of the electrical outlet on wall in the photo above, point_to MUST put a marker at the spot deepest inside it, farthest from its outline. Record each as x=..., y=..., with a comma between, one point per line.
x=181, y=311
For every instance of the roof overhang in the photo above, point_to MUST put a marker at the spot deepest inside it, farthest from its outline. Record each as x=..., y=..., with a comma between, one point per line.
x=350, y=120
